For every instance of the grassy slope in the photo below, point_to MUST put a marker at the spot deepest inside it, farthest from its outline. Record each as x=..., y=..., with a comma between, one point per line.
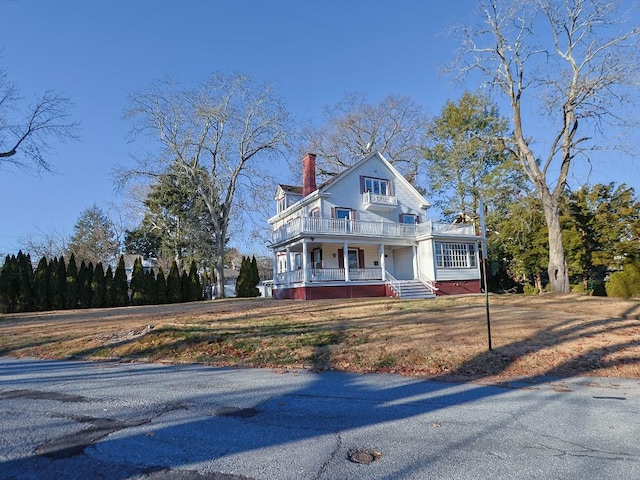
x=444, y=338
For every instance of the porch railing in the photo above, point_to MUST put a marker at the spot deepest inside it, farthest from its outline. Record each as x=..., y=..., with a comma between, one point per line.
x=329, y=275
x=345, y=226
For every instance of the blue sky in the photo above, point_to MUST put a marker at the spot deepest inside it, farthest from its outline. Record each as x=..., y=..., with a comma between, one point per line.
x=98, y=52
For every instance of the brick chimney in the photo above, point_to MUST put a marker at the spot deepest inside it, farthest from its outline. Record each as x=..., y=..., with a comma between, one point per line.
x=309, y=174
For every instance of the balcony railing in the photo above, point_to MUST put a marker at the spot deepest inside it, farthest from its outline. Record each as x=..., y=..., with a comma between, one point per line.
x=373, y=201
x=317, y=226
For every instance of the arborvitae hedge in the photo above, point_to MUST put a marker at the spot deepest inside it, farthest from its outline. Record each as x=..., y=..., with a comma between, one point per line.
x=120, y=285
x=161, y=287
x=174, y=289
x=137, y=283
x=99, y=287
x=248, y=278
x=42, y=286
x=71, y=292
x=54, y=285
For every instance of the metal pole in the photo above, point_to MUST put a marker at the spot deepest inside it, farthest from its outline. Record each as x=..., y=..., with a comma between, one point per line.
x=483, y=232
x=486, y=301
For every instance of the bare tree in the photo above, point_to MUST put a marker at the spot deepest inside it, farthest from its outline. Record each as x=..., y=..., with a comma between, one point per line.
x=47, y=244
x=218, y=135
x=571, y=60
x=352, y=128
x=27, y=130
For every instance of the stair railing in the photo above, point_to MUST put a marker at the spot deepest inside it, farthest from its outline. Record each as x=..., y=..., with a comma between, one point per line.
x=430, y=284
x=395, y=285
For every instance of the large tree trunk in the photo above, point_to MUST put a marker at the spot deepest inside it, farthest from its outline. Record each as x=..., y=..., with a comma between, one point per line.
x=219, y=267
x=557, y=268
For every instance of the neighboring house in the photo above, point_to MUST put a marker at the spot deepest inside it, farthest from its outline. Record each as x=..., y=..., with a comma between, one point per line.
x=365, y=233
x=230, y=280
x=148, y=265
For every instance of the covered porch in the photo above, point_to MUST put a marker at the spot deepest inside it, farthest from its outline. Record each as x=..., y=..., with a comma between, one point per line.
x=310, y=263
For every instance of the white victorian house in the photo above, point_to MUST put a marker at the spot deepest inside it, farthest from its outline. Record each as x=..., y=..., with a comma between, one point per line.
x=366, y=233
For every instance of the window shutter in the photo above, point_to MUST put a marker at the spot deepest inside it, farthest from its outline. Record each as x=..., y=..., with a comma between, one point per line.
x=417, y=218
x=361, y=183
x=354, y=214
x=360, y=258
x=340, y=258
x=390, y=187
x=400, y=218
x=333, y=212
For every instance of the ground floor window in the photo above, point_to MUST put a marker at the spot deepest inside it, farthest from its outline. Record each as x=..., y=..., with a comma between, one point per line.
x=455, y=255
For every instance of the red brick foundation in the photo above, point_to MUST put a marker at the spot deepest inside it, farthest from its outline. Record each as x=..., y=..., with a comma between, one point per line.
x=343, y=291
x=362, y=291
x=458, y=288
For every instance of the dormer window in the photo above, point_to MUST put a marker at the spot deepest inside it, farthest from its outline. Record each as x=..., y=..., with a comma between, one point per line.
x=282, y=204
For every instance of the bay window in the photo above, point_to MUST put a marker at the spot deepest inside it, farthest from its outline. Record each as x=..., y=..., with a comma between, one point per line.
x=455, y=255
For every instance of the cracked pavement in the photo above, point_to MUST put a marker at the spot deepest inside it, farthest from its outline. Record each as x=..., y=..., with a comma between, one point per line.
x=78, y=420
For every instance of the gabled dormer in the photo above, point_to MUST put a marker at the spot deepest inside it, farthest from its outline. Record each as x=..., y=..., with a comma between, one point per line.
x=287, y=195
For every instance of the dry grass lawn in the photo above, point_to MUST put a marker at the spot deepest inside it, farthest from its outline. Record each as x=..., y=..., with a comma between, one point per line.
x=442, y=338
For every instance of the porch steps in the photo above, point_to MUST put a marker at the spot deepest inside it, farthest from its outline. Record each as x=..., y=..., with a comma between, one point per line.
x=415, y=289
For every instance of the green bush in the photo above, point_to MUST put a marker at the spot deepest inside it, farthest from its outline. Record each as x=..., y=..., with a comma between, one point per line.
x=530, y=289
x=625, y=284
x=578, y=288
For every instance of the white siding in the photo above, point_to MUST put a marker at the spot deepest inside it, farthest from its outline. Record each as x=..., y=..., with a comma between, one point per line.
x=454, y=274
x=426, y=262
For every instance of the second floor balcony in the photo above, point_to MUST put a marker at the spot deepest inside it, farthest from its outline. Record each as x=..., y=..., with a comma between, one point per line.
x=372, y=201
x=319, y=227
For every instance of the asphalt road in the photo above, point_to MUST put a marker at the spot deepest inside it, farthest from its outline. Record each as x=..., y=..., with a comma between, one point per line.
x=80, y=420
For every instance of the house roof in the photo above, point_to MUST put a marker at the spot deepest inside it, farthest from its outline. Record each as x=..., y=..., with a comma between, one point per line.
x=291, y=188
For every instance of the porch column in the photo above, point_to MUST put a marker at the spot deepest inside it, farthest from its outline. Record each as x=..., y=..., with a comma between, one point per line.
x=382, y=263
x=345, y=260
x=275, y=267
x=305, y=262
x=288, y=266
x=415, y=261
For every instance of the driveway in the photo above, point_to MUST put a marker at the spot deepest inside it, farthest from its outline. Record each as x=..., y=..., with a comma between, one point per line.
x=81, y=420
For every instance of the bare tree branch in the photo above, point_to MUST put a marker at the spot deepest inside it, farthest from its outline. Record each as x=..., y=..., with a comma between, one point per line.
x=27, y=131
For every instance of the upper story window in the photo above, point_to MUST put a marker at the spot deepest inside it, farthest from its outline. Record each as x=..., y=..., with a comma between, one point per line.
x=455, y=255
x=282, y=204
x=376, y=186
x=409, y=218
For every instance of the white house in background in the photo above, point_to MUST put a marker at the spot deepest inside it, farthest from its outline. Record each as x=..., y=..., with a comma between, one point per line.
x=366, y=233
